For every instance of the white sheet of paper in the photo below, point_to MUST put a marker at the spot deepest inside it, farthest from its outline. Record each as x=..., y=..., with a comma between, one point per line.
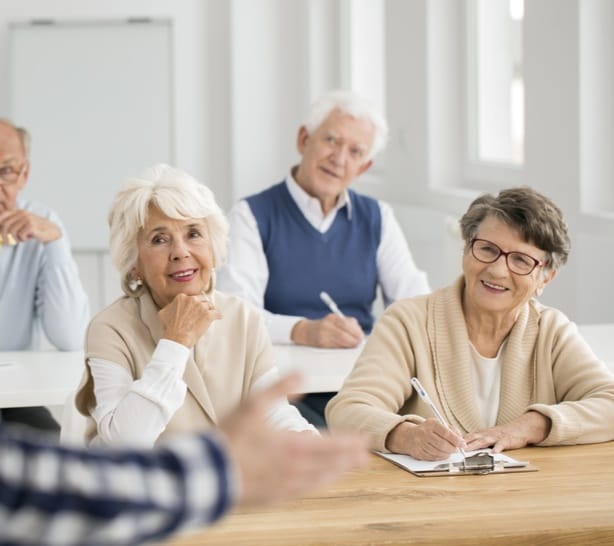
x=416, y=465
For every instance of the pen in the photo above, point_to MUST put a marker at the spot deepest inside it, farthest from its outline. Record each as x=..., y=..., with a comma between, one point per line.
x=427, y=400
x=331, y=304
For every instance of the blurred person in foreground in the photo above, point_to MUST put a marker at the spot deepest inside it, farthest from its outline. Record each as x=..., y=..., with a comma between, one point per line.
x=173, y=355
x=504, y=370
x=63, y=496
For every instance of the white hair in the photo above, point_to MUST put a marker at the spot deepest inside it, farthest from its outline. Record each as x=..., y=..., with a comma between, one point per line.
x=176, y=194
x=353, y=105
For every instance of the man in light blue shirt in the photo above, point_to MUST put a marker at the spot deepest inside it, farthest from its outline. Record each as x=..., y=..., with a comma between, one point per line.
x=40, y=289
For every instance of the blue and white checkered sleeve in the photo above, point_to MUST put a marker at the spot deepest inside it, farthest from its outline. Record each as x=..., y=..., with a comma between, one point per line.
x=51, y=495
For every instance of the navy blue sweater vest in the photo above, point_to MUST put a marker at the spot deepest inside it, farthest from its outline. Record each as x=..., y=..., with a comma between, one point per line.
x=302, y=261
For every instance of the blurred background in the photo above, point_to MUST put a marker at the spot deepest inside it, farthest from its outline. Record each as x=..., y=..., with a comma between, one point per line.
x=479, y=94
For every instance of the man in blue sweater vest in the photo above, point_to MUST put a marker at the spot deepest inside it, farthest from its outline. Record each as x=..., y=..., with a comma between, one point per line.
x=311, y=233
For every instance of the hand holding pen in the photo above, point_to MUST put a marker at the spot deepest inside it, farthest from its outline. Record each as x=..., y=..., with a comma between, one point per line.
x=333, y=331
x=427, y=400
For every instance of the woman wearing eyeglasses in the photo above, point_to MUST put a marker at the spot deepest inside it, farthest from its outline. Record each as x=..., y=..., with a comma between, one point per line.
x=504, y=370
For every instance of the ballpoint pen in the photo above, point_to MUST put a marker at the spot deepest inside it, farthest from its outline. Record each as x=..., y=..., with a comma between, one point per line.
x=427, y=400
x=331, y=304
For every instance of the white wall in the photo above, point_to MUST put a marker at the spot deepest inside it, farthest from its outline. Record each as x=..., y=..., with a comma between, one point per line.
x=427, y=96
x=201, y=94
x=246, y=70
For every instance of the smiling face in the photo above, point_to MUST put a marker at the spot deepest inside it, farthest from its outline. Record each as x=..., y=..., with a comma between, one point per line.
x=493, y=288
x=174, y=256
x=333, y=156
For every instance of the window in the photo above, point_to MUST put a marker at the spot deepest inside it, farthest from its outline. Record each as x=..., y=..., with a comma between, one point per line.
x=495, y=81
x=363, y=57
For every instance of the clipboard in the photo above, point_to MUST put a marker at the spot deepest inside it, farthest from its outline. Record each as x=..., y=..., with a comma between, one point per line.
x=475, y=463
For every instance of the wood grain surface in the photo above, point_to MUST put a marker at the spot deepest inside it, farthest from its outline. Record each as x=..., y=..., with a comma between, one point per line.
x=570, y=500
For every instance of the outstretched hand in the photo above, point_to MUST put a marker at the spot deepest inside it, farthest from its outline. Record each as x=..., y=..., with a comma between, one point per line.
x=276, y=465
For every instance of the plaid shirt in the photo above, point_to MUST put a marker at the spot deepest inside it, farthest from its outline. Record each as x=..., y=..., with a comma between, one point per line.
x=53, y=495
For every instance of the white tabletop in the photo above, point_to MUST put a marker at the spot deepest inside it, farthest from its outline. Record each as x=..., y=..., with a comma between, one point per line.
x=323, y=370
x=45, y=378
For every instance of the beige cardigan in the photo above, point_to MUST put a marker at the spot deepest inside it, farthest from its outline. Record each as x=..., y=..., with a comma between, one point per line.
x=547, y=367
x=233, y=353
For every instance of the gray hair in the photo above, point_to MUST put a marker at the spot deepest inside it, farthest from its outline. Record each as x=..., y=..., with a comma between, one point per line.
x=22, y=133
x=176, y=194
x=538, y=220
x=353, y=105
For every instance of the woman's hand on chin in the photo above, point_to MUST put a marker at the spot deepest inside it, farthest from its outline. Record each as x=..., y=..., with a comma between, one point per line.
x=186, y=318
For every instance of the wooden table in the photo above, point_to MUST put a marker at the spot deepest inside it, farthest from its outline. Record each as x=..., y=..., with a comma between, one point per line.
x=570, y=500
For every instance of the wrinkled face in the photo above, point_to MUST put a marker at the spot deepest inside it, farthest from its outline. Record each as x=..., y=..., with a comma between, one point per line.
x=493, y=288
x=334, y=155
x=174, y=256
x=12, y=159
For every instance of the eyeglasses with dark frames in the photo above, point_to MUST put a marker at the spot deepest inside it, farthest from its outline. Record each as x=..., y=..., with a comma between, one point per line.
x=517, y=262
x=10, y=175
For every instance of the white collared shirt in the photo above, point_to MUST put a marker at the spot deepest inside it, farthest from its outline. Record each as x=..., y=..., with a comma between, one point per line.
x=246, y=272
x=136, y=411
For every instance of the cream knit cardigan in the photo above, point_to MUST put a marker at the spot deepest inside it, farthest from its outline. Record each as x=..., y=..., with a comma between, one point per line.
x=547, y=367
x=231, y=355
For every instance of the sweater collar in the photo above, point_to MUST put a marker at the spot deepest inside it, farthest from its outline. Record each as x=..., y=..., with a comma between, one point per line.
x=193, y=375
x=451, y=357
x=310, y=206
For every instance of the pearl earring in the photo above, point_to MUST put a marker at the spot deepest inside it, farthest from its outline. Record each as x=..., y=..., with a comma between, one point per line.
x=135, y=284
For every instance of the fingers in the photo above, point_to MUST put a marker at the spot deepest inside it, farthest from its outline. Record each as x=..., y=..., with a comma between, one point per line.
x=319, y=460
x=496, y=438
x=478, y=440
x=289, y=465
x=9, y=224
x=275, y=465
x=10, y=240
x=340, y=332
x=186, y=318
x=432, y=441
x=288, y=384
x=331, y=332
x=23, y=225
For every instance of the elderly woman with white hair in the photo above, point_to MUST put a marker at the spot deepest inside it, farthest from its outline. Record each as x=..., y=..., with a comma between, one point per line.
x=173, y=355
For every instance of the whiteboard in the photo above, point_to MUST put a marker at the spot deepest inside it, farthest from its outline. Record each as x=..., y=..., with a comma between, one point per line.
x=96, y=98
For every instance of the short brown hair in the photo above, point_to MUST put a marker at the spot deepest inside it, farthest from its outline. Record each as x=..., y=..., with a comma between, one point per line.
x=538, y=220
